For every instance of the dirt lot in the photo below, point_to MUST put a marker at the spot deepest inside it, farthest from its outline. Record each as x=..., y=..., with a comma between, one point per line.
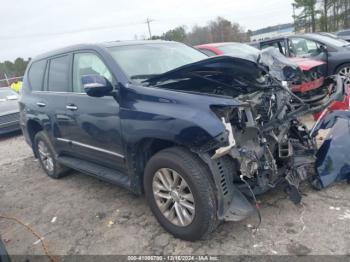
x=84, y=206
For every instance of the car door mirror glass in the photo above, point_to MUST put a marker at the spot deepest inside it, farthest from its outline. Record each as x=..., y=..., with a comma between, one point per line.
x=96, y=85
x=323, y=48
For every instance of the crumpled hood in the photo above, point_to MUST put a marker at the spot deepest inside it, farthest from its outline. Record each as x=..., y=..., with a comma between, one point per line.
x=220, y=75
x=245, y=70
x=279, y=66
x=247, y=66
x=306, y=64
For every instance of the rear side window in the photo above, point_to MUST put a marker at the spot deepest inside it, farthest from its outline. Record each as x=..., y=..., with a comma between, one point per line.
x=59, y=74
x=36, y=74
x=279, y=45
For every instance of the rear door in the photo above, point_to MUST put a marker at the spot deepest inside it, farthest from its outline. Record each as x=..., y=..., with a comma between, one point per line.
x=50, y=101
x=278, y=44
x=94, y=127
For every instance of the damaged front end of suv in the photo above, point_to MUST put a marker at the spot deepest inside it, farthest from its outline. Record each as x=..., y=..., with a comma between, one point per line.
x=264, y=144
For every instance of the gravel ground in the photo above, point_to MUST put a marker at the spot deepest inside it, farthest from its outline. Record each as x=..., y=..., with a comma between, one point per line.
x=82, y=215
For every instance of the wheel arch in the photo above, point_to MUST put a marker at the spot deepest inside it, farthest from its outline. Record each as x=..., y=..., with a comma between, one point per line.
x=33, y=127
x=142, y=152
x=340, y=65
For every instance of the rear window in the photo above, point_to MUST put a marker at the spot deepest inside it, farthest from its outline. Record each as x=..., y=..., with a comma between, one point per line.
x=36, y=74
x=59, y=74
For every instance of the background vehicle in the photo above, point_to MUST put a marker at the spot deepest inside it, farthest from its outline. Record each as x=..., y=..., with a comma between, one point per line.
x=331, y=35
x=335, y=52
x=312, y=70
x=162, y=118
x=227, y=48
x=9, y=111
x=309, y=86
x=344, y=34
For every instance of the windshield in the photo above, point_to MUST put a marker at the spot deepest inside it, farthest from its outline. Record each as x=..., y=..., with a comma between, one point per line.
x=7, y=94
x=237, y=48
x=142, y=61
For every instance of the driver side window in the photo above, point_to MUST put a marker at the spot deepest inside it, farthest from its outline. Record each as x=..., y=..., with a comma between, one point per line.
x=88, y=64
x=301, y=47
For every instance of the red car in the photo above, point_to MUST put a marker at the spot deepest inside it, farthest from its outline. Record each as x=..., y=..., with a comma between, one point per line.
x=311, y=86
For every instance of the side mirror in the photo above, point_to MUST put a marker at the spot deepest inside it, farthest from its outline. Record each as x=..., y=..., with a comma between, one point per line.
x=323, y=48
x=96, y=85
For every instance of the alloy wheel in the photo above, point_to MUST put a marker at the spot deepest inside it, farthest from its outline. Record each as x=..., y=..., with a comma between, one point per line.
x=344, y=73
x=45, y=156
x=173, y=197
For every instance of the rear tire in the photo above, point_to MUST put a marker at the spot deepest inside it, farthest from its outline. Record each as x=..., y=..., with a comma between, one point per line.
x=193, y=198
x=47, y=156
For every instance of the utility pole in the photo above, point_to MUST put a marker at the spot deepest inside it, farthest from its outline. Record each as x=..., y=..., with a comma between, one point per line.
x=295, y=25
x=148, y=21
x=7, y=80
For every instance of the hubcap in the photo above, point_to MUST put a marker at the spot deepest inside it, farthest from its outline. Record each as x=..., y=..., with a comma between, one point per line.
x=45, y=156
x=173, y=197
x=344, y=73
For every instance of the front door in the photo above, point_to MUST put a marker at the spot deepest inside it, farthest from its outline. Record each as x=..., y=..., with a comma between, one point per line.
x=94, y=128
x=306, y=48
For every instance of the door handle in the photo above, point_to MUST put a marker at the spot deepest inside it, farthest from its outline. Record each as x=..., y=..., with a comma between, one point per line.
x=72, y=107
x=40, y=104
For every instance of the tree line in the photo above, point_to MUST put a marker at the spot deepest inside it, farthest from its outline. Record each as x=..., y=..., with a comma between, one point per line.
x=218, y=30
x=10, y=69
x=321, y=15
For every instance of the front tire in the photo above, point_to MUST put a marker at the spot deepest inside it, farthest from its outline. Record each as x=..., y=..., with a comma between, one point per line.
x=344, y=72
x=180, y=193
x=47, y=156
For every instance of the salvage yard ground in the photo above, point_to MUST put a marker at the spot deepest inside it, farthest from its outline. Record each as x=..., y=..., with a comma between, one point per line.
x=82, y=215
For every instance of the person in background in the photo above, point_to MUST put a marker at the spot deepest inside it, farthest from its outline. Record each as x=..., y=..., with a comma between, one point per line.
x=16, y=86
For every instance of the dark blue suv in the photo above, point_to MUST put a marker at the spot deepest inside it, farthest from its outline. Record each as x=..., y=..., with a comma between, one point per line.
x=197, y=135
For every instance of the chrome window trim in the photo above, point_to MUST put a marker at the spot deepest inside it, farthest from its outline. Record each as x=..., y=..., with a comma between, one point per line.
x=9, y=123
x=56, y=92
x=90, y=147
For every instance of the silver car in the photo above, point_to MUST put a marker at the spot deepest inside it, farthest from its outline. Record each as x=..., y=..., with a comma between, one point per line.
x=9, y=110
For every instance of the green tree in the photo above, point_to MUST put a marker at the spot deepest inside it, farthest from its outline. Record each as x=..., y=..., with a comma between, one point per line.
x=199, y=35
x=12, y=69
x=307, y=17
x=324, y=15
x=177, y=34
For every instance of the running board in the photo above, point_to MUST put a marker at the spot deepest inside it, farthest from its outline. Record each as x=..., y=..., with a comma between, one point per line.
x=104, y=173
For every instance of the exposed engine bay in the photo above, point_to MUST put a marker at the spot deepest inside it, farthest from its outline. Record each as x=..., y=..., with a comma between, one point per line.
x=267, y=143
x=271, y=147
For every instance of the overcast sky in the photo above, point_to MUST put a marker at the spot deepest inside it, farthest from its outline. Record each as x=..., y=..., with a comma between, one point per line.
x=31, y=27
